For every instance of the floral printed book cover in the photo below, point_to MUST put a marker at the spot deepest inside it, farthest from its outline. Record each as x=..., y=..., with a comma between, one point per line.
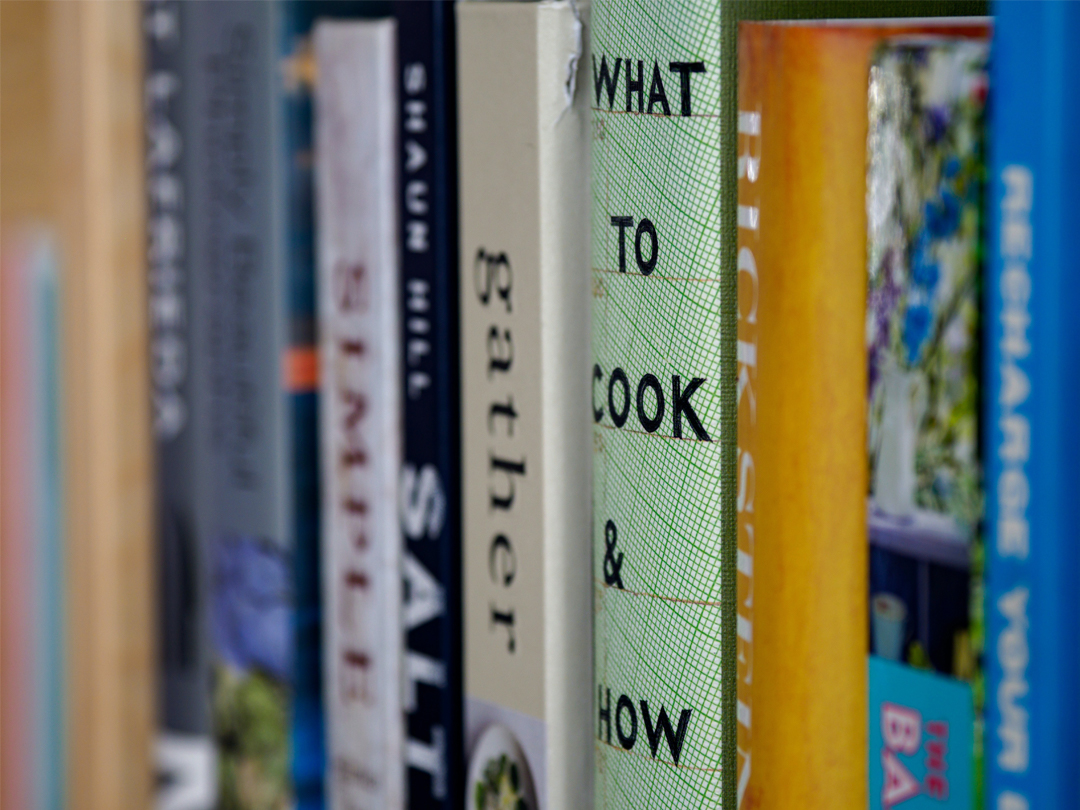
x=925, y=179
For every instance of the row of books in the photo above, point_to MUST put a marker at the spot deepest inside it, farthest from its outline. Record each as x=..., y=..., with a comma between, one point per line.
x=539, y=405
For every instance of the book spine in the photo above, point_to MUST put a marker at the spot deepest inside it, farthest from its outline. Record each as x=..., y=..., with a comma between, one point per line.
x=359, y=289
x=50, y=575
x=663, y=404
x=430, y=481
x=184, y=746
x=96, y=71
x=295, y=241
x=523, y=170
x=1032, y=336
x=233, y=196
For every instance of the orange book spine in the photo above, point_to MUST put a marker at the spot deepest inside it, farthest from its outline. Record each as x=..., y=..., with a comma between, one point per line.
x=808, y=234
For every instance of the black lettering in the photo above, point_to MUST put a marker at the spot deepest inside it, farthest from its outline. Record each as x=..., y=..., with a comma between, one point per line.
x=506, y=411
x=651, y=424
x=510, y=469
x=618, y=417
x=684, y=69
x=635, y=87
x=605, y=79
x=496, y=272
x=597, y=374
x=623, y=223
x=674, y=738
x=680, y=405
x=506, y=619
x=500, y=350
x=502, y=562
x=626, y=740
x=646, y=227
x=656, y=91
x=605, y=714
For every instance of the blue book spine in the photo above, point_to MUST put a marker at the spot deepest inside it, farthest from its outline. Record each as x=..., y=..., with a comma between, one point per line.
x=430, y=478
x=1032, y=346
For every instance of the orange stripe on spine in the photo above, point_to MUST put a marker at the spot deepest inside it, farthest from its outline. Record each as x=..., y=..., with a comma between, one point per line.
x=300, y=369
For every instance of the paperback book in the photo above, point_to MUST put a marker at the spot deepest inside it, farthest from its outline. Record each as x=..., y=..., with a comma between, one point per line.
x=1032, y=360
x=524, y=371
x=430, y=494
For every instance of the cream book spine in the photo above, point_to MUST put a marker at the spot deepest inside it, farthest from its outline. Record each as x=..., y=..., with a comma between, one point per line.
x=360, y=413
x=524, y=169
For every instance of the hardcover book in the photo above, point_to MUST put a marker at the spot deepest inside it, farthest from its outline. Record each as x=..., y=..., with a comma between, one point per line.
x=360, y=414
x=803, y=128
x=430, y=478
x=524, y=371
x=663, y=410
x=184, y=746
x=1032, y=358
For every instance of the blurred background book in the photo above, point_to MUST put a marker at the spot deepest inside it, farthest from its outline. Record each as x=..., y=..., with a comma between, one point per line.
x=77, y=701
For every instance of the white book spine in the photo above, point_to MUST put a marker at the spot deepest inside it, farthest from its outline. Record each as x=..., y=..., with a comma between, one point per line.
x=360, y=412
x=524, y=173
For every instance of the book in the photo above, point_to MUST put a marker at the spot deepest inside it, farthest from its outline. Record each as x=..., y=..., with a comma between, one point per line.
x=32, y=571
x=430, y=497
x=1031, y=438
x=32, y=577
x=96, y=146
x=240, y=103
x=924, y=192
x=663, y=410
x=184, y=748
x=803, y=123
x=359, y=281
x=523, y=155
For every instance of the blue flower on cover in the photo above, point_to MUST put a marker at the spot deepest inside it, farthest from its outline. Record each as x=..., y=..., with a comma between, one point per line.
x=924, y=270
x=941, y=217
x=917, y=322
x=951, y=168
x=251, y=605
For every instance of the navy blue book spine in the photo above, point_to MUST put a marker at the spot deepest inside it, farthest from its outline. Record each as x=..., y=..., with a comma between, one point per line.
x=1033, y=436
x=430, y=478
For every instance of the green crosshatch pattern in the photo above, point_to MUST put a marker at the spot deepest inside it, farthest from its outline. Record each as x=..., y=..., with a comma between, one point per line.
x=664, y=637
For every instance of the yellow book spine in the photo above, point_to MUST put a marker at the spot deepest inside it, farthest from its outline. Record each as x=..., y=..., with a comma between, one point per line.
x=808, y=237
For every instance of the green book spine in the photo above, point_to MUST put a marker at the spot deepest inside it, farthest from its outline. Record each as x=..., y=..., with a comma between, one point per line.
x=663, y=407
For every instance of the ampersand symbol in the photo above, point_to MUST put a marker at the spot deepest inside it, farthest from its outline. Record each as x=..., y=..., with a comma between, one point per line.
x=612, y=560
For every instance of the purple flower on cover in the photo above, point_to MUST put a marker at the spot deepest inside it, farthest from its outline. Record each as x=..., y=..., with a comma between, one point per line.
x=883, y=302
x=251, y=615
x=936, y=123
